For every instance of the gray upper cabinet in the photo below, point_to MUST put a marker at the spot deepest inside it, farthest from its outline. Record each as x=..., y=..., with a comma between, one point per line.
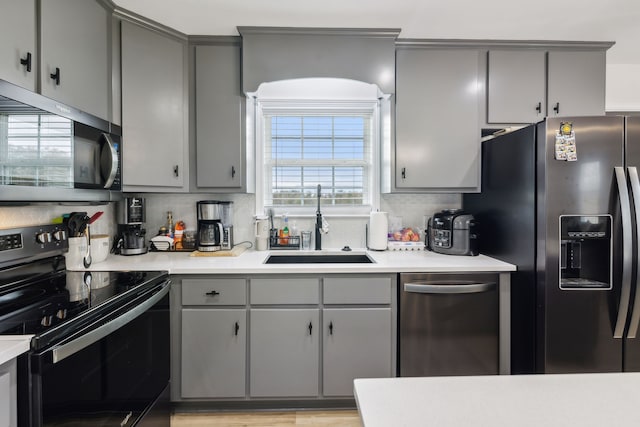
x=284, y=357
x=516, y=86
x=437, y=145
x=576, y=83
x=75, y=54
x=154, y=110
x=524, y=86
x=220, y=145
x=18, y=43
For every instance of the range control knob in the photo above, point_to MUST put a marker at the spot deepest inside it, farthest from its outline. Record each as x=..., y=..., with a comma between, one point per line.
x=59, y=235
x=43, y=237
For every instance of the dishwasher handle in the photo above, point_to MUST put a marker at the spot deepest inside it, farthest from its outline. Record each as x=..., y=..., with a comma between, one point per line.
x=455, y=287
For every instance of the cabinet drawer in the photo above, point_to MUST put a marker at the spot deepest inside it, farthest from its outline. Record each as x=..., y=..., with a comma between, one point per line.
x=359, y=290
x=214, y=292
x=285, y=291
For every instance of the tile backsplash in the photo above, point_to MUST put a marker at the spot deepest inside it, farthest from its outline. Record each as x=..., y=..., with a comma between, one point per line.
x=343, y=230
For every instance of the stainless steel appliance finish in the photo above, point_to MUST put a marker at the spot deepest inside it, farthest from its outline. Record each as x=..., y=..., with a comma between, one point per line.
x=78, y=155
x=131, y=233
x=100, y=348
x=572, y=228
x=449, y=324
x=215, y=229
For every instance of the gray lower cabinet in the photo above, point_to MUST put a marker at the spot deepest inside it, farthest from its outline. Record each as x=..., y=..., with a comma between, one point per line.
x=285, y=346
x=213, y=352
x=301, y=337
x=154, y=110
x=18, y=57
x=356, y=344
x=437, y=146
x=8, y=394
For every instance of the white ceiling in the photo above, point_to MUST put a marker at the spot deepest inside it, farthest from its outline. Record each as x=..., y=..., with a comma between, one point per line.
x=611, y=20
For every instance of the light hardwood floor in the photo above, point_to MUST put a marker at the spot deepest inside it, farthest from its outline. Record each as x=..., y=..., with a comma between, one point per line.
x=340, y=418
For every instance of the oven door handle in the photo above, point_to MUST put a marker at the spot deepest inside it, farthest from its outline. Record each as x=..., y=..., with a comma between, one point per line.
x=448, y=287
x=65, y=350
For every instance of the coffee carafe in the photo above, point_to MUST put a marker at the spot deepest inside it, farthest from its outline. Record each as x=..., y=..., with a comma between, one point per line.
x=210, y=233
x=131, y=233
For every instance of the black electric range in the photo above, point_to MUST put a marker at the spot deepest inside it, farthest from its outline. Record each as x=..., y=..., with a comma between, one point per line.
x=112, y=327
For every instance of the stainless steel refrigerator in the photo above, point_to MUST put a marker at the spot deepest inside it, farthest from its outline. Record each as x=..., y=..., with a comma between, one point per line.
x=563, y=204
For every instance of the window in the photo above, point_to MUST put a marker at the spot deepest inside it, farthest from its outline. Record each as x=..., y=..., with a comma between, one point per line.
x=304, y=150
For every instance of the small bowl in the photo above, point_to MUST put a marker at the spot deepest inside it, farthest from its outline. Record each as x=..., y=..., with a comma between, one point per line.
x=99, y=247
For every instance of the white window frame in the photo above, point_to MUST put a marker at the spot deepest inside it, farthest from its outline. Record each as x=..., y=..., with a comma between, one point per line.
x=326, y=107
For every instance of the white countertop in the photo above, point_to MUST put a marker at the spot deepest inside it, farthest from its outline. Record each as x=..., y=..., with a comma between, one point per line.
x=252, y=262
x=568, y=400
x=12, y=346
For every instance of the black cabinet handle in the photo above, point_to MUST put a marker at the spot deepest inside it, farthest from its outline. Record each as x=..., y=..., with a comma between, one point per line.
x=213, y=293
x=56, y=76
x=233, y=172
x=404, y=173
x=26, y=62
x=539, y=107
x=330, y=328
x=557, y=108
x=176, y=171
x=310, y=328
x=237, y=328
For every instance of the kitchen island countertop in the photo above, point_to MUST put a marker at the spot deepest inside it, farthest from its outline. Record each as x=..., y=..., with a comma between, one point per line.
x=12, y=346
x=252, y=262
x=551, y=400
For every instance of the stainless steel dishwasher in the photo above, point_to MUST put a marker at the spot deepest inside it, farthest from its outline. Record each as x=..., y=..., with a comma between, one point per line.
x=449, y=324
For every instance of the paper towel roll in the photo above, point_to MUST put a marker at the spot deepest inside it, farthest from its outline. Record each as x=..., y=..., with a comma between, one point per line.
x=378, y=226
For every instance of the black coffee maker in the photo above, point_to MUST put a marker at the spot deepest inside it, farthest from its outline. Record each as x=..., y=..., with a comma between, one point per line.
x=210, y=229
x=131, y=234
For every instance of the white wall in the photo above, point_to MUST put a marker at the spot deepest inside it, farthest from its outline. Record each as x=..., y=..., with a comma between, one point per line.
x=623, y=87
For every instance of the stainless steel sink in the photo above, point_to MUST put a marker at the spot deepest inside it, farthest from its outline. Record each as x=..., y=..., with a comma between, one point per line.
x=319, y=259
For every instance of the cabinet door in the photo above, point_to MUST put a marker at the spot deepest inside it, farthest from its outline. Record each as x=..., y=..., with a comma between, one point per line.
x=516, y=86
x=357, y=344
x=576, y=83
x=437, y=119
x=18, y=23
x=219, y=100
x=285, y=346
x=153, y=109
x=213, y=352
x=74, y=39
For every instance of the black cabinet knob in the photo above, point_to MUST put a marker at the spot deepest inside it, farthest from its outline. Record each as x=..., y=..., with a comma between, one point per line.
x=56, y=76
x=176, y=171
x=539, y=107
x=556, y=108
x=310, y=328
x=26, y=62
x=330, y=328
x=237, y=328
x=404, y=173
x=233, y=172
x=213, y=293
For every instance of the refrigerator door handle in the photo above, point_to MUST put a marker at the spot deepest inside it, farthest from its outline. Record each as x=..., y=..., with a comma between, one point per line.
x=448, y=288
x=635, y=191
x=627, y=248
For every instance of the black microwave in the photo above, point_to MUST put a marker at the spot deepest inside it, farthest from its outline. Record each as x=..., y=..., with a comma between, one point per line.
x=51, y=152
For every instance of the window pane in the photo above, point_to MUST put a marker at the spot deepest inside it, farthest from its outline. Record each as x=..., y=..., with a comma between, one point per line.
x=305, y=150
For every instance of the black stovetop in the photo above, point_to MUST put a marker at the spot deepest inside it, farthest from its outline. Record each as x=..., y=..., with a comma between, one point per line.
x=44, y=299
